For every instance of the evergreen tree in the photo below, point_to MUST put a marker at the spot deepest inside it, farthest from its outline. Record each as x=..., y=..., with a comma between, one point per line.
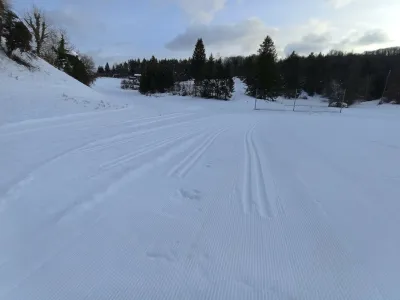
x=78, y=70
x=15, y=32
x=291, y=75
x=100, y=70
x=107, y=69
x=264, y=79
x=208, y=83
x=225, y=83
x=62, y=62
x=157, y=77
x=198, y=64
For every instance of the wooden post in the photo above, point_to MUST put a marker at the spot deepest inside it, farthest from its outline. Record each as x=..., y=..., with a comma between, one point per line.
x=384, y=90
x=341, y=103
x=255, y=103
x=295, y=99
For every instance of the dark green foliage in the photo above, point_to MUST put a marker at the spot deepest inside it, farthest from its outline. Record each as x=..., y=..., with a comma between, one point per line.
x=262, y=78
x=198, y=64
x=62, y=62
x=290, y=71
x=71, y=64
x=15, y=32
x=107, y=69
x=100, y=71
x=157, y=77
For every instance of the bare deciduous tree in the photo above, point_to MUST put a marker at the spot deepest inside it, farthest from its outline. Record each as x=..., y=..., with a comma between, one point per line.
x=89, y=63
x=51, y=43
x=39, y=26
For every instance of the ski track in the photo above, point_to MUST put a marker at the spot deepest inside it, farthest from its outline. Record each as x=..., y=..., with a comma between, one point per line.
x=127, y=177
x=258, y=191
x=15, y=189
x=183, y=168
x=145, y=149
x=135, y=214
x=91, y=123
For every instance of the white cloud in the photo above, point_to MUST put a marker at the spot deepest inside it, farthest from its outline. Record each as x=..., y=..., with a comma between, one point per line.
x=229, y=39
x=201, y=11
x=339, y=3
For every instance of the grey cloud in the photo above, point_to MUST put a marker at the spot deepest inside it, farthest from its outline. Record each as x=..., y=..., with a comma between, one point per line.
x=244, y=36
x=309, y=43
x=373, y=37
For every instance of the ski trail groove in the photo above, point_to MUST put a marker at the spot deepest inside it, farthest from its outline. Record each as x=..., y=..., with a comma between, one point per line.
x=10, y=131
x=125, y=138
x=254, y=194
x=264, y=205
x=128, y=176
x=246, y=190
x=14, y=191
x=183, y=168
x=147, y=148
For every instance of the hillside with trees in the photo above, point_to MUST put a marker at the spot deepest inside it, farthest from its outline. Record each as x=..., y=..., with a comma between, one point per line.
x=35, y=36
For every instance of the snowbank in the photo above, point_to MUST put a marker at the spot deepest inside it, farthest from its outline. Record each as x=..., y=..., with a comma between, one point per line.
x=44, y=92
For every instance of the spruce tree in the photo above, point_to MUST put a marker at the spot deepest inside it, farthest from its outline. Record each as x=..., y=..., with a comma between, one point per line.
x=208, y=84
x=266, y=72
x=198, y=64
x=62, y=59
x=15, y=32
x=291, y=75
x=107, y=69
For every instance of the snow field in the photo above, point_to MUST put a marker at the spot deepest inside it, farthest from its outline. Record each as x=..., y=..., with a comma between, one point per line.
x=181, y=198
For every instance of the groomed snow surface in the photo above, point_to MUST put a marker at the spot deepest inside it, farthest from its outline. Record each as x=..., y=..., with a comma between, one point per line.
x=184, y=198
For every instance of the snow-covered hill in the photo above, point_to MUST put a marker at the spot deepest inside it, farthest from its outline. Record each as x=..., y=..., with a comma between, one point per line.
x=43, y=93
x=184, y=198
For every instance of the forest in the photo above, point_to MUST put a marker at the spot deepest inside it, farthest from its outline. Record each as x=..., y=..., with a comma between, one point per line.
x=349, y=76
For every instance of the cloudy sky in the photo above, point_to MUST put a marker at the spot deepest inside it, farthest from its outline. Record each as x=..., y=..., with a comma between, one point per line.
x=115, y=30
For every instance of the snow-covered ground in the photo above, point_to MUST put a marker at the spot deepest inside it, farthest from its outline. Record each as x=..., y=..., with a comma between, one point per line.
x=44, y=93
x=182, y=198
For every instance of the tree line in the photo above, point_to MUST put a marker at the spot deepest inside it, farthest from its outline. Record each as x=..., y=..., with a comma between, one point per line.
x=336, y=75
x=35, y=35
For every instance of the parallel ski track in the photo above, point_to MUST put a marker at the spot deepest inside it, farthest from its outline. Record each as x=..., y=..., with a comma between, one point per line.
x=133, y=173
x=254, y=179
x=10, y=132
x=145, y=149
x=13, y=191
x=183, y=168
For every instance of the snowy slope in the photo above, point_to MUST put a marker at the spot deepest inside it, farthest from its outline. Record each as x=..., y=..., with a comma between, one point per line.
x=184, y=198
x=43, y=93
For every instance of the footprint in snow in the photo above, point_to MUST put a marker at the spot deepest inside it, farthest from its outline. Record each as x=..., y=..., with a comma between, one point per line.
x=194, y=195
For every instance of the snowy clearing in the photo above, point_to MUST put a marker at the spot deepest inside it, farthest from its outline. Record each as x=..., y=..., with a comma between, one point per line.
x=182, y=198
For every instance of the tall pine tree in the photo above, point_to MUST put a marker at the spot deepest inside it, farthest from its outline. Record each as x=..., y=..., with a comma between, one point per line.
x=290, y=68
x=198, y=65
x=107, y=69
x=263, y=81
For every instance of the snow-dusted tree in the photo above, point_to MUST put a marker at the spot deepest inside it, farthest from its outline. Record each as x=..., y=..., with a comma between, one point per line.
x=335, y=93
x=52, y=42
x=36, y=21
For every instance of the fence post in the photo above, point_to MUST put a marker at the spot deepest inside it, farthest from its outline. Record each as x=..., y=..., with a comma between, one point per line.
x=341, y=103
x=255, y=103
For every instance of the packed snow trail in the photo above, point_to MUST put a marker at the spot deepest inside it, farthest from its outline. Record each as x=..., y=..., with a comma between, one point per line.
x=181, y=198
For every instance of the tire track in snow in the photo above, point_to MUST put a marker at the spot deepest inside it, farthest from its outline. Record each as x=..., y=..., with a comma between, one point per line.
x=183, y=168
